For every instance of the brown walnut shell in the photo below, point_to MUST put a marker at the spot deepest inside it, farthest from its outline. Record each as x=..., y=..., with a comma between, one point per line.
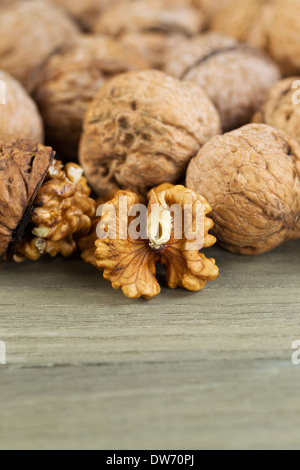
x=86, y=12
x=235, y=77
x=69, y=81
x=282, y=107
x=142, y=129
x=23, y=167
x=30, y=30
x=251, y=179
x=149, y=25
x=272, y=25
x=18, y=112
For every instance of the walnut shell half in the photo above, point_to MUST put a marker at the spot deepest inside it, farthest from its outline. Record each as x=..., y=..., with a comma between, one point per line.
x=271, y=25
x=142, y=129
x=18, y=112
x=23, y=168
x=30, y=30
x=235, y=77
x=69, y=81
x=251, y=179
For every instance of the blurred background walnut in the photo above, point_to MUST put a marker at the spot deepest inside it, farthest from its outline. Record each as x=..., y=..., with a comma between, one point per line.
x=19, y=114
x=251, y=179
x=30, y=30
x=235, y=77
x=281, y=108
x=151, y=26
x=272, y=25
x=142, y=129
x=85, y=12
x=69, y=81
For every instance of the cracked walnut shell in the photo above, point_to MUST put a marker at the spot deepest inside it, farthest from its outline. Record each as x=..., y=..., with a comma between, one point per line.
x=142, y=129
x=281, y=108
x=18, y=112
x=272, y=25
x=69, y=81
x=30, y=30
x=251, y=178
x=42, y=204
x=235, y=77
x=151, y=26
x=130, y=263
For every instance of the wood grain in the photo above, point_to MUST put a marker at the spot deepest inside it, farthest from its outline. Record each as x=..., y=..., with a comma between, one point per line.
x=90, y=369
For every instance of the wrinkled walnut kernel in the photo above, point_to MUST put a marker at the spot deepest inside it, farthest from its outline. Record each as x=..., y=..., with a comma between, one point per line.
x=130, y=263
x=62, y=209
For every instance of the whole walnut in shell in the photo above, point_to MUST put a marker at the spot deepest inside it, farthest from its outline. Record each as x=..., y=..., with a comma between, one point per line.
x=272, y=25
x=281, y=108
x=142, y=129
x=86, y=12
x=151, y=26
x=235, y=77
x=18, y=112
x=69, y=81
x=43, y=206
x=251, y=179
x=30, y=30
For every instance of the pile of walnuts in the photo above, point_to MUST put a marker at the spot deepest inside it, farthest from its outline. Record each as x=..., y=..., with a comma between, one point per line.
x=161, y=103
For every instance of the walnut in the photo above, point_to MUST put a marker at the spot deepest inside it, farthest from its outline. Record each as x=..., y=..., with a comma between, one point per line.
x=130, y=263
x=18, y=112
x=43, y=206
x=235, y=77
x=68, y=82
x=30, y=30
x=251, y=178
x=86, y=12
x=142, y=129
x=281, y=108
x=151, y=26
x=272, y=25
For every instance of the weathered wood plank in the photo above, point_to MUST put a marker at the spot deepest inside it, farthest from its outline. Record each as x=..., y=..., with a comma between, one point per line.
x=87, y=368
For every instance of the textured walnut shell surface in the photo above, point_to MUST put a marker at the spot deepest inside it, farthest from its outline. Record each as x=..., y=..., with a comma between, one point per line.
x=148, y=25
x=142, y=129
x=234, y=76
x=69, y=81
x=30, y=30
x=272, y=25
x=281, y=108
x=86, y=12
x=155, y=47
x=19, y=115
x=251, y=179
x=167, y=16
x=23, y=168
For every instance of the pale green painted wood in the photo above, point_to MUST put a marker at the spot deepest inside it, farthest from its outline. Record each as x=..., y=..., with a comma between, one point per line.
x=87, y=368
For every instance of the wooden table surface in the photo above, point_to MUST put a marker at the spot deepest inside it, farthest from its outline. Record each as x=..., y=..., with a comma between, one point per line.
x=89, y=369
